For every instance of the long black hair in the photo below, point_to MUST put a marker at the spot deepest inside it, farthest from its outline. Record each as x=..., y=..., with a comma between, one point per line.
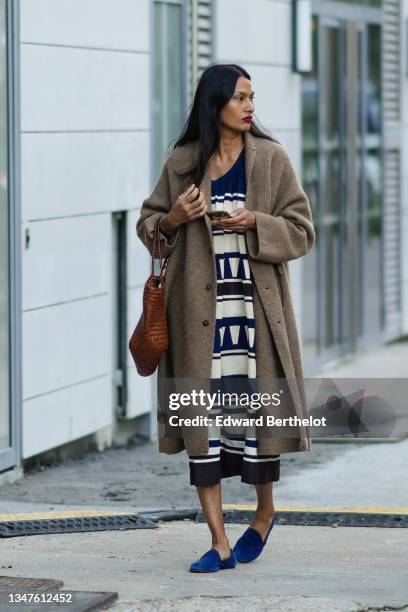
x=215, y=88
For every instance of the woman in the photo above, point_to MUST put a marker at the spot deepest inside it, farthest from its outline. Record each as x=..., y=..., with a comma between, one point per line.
x=229, y=307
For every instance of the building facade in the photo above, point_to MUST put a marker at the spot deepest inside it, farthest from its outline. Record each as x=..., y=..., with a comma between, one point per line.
x=89, y=109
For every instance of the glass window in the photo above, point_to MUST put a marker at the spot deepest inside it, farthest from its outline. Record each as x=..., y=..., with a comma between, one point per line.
x=343, y=296
x=371, y=181
x=310, y=123
x=168, y=81
x=4, y=242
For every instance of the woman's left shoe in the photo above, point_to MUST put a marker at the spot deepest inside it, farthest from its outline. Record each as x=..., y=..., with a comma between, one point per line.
x=250, y=545
x=212, y=562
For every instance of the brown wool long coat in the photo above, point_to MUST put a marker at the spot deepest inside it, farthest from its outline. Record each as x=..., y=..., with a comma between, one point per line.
x=284, y=231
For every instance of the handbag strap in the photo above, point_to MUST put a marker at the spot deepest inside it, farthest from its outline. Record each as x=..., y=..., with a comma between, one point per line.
x=157, y=248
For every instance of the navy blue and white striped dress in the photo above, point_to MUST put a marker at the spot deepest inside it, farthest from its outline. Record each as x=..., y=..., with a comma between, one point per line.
x=233, y=450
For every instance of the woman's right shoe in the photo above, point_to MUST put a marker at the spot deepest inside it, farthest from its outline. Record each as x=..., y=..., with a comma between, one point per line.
x=250, y=545
x=212, y=562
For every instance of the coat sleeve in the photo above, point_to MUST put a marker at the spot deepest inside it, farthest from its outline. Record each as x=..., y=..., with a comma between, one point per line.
x=288, y=232
x=157, y=205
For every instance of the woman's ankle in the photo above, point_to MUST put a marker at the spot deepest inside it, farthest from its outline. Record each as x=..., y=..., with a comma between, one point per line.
x=220, y=542
x=265, y=514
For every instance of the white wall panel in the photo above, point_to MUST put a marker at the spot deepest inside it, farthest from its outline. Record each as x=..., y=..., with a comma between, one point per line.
x=121, y=24
x=68, y=259
x=141, y=390
x=142, y=393
x=85, y=121
x=278, y=97
x=257, y=31
x=139, y=259
x=291, y=142
x=66, y=344
x=76, y=173
x=134, y=307
x=66, y=415
x=81, y=89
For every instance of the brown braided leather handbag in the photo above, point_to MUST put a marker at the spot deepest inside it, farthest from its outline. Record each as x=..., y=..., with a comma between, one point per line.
x=150, y=337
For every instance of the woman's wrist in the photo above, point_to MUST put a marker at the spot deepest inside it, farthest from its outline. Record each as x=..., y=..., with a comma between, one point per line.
x=167, y=226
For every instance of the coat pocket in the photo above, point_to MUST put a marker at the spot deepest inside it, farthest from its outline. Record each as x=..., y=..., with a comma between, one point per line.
x=279, y=273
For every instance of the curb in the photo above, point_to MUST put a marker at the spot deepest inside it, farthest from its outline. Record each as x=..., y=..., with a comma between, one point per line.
x=93, y=520
x=307, y=517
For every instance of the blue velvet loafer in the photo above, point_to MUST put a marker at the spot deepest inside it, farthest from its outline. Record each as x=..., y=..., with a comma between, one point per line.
x=250, y=545
x=212, y=562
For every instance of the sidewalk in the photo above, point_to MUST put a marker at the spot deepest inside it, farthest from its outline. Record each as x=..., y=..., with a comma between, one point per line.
x=302, y=568
x=138, y=477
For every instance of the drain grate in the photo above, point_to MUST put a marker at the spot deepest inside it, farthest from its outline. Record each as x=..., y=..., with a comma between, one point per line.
x=21, y=594
x=319, y=519
x=71, y=524
x=22, y=584
x=74, y=601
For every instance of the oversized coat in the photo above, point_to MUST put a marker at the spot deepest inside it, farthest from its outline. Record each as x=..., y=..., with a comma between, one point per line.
x=284, y=231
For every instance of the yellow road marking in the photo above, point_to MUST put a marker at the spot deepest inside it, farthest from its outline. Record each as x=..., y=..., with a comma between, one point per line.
x=83, y=513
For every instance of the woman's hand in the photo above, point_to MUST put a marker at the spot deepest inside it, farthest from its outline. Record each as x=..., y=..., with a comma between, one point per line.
x=187, y=207
x=241, y=220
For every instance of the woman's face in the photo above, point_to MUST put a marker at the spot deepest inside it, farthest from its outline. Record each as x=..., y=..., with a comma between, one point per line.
x=237, y=113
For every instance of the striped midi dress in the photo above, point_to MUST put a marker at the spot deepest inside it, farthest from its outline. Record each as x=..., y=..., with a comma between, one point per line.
x=233, y=449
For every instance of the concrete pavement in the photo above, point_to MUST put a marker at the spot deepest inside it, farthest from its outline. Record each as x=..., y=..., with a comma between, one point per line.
x=302, y=568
